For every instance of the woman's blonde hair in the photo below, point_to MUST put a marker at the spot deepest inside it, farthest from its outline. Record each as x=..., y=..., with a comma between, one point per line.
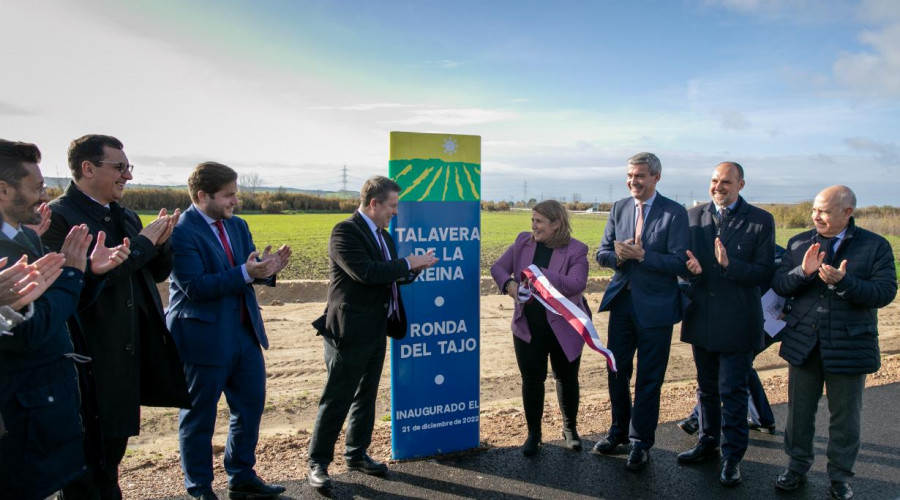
x=554, y=211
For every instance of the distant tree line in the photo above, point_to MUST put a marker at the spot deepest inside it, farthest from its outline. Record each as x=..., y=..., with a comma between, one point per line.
x=267, y=202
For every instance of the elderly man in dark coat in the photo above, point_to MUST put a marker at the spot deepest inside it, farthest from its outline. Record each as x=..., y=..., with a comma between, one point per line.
x=732, y=255
x=839, y=275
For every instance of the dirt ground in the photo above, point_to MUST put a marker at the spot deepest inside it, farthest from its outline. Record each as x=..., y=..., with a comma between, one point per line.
x=296, y=373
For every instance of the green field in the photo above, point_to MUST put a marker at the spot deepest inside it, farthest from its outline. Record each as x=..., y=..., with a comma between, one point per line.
x=307, y=234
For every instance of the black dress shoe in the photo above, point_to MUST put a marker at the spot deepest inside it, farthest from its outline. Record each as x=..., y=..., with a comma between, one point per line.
x=573, y=440
x=731, y=473
x=532, y=444
x=689, y=425
x=608, y=445
x=698, y=454
x=637, y=459
x=789, y=480
x=208, y=495
x=318, y=477
x=768, y=429
x=840, y=491
x=254, y=488
x=367, y=466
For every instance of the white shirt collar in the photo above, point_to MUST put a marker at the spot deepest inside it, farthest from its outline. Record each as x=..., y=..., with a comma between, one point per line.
x=372, y=226
x=208, y=219
x=648, y=202
x=9, y=231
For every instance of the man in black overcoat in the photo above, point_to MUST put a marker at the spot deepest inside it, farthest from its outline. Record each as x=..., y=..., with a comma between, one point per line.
x=732, y=255
x=134, y=358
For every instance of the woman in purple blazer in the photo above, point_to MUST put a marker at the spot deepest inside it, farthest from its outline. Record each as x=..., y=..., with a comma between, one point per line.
x=539, y=333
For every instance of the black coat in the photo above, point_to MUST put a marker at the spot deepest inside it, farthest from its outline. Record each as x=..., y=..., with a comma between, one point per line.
x=725, y=313
x=39, y=397
x=134, y=358
x=360, y=289
x=842, y=318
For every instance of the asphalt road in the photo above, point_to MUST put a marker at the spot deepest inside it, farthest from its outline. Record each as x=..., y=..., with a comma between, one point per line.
x=557, y=472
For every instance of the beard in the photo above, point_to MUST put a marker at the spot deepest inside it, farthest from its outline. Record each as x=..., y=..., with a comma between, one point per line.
x=23, y=213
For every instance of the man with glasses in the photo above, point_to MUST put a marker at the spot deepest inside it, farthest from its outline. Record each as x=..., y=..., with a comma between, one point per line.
x=134, y=358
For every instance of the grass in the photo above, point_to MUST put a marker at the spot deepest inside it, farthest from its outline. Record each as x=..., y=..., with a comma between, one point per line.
x=307, y=235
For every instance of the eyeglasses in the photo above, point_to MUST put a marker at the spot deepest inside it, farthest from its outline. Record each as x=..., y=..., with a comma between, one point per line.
x=121, y=166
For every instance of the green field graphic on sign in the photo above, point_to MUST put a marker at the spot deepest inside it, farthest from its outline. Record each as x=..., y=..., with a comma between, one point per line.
x=437, y=180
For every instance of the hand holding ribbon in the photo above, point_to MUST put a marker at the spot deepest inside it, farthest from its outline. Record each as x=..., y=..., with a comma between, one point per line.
x=536, y=286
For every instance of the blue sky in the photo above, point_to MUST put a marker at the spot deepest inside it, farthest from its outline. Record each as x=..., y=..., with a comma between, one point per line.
x=803, y=93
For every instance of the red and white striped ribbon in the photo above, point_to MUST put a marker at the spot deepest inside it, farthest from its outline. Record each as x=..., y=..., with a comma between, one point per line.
x=536, y=285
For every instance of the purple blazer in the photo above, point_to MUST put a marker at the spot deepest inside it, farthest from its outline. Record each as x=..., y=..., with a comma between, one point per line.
x=568, y=272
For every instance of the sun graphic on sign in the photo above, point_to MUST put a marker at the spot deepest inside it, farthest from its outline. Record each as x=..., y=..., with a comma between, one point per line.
x=450, y=145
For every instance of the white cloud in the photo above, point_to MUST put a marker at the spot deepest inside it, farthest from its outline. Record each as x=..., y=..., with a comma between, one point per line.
x=733, y=120
x=366, y=107
x=874, y=72
x=886, y=153
x=452, y=117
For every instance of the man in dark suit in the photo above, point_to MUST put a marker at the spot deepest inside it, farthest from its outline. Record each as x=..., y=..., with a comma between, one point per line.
x=134, y=359
x=645, y=241
x=732, y=255
x=839, y=275
x=216, y=322
x=363, y=307
x=39, y=391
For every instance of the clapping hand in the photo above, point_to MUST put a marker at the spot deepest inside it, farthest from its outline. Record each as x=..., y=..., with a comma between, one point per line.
x=830, y=274
x=283, y=255
x=812, y=259
x=721, y=253
x=75, y=247
x=105, y=259
x=160, y=229
x=421, y=261
x=41, y=227
x=693, y=265
x=629, y=249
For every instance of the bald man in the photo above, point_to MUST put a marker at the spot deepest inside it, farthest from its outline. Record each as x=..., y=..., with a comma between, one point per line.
x=839, y=275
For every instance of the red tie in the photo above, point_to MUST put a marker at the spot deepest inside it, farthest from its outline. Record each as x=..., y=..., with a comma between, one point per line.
x=224, y=240
x=245, y=316
x=394, y=313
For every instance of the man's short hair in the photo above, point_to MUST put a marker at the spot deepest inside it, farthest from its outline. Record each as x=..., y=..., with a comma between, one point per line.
x=649, y=159
x=378, y=188
x=89, y=148
x=209, y=177
x=737, y=166
x=13, y=157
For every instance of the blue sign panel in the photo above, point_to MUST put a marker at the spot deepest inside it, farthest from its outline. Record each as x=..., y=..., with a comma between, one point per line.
x=435, y=369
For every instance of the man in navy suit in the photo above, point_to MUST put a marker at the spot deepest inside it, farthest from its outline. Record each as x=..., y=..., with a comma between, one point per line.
x=215, y=320
x=732, y=255
x=41, y=450
x=645, y=241
x=363, y=308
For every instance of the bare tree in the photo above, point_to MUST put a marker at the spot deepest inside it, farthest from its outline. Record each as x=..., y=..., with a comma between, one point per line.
x=250, y=182
x=576, y=197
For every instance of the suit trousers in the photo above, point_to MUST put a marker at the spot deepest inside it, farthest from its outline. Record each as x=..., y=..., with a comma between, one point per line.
x=845, y=392
x=723, y=395
x=759, y=411
x=532, y=359
x=354, y=372
x=627, y=336
x=243, y=380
